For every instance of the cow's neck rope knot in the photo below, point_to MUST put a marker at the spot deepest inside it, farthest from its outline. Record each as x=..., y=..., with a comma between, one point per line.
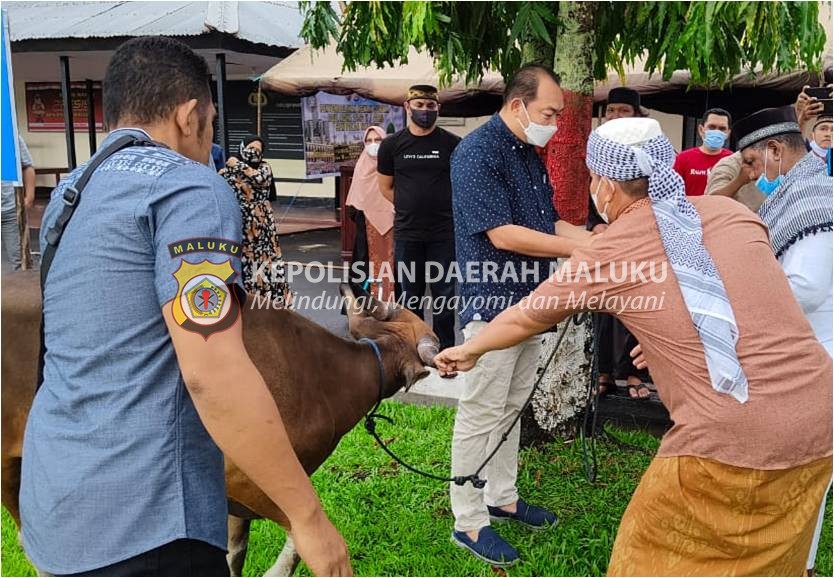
x=474, y=479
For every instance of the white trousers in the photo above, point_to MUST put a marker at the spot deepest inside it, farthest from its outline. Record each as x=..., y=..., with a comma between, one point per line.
x=495, y=390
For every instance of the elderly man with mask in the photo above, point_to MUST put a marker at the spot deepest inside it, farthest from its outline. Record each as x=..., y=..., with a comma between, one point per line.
x=735, y=486
x=798, y=213
x=798, y=210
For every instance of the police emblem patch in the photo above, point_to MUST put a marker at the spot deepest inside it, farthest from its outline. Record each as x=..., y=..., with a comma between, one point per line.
x=205, y=302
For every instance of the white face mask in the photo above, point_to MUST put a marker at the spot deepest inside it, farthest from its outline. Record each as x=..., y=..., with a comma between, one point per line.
x=537, y=134
x=373, y=149
x=603, y=211
x=818, y=149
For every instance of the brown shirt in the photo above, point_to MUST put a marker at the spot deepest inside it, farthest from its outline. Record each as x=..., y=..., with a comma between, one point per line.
x=723, y=174
x=786, y=421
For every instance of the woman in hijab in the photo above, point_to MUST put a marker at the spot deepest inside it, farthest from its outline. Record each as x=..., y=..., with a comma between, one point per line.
x=251, y=179
x=378, y=222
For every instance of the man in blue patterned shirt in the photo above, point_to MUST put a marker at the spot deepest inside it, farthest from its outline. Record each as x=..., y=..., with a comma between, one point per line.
x=506, y=225
x=145, y=372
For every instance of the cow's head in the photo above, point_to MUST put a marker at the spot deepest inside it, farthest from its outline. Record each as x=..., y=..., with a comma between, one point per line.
x=416, y=343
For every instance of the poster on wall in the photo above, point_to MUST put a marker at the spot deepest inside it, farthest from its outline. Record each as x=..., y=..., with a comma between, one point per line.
x=45, y=106
x=334, y=126
x=280, y=119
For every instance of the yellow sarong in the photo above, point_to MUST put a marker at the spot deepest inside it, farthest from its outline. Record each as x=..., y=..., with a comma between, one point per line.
x=696, y=517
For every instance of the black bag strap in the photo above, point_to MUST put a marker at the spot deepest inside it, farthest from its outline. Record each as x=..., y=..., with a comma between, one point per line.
x=72, y=194
x=71, y=197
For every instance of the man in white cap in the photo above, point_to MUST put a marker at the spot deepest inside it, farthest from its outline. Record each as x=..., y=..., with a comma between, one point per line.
x=736, y=484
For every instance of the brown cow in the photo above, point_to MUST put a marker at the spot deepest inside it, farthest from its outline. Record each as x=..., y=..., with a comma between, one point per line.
x=322, y=383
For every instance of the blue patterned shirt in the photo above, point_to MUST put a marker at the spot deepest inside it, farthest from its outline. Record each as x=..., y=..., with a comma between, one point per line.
x=116, y=460
x=497, y=180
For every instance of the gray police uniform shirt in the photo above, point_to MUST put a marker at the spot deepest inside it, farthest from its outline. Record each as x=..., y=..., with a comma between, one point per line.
x=7, y=200
x=116, y=460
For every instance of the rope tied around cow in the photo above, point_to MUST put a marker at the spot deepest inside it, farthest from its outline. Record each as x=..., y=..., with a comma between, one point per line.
x=474, y=479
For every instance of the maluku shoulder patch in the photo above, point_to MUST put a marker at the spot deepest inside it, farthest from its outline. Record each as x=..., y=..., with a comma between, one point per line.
x=204, y=245
x=205, y=302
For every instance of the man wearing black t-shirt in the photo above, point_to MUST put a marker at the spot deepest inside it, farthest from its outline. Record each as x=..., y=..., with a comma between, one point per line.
x=413, y=166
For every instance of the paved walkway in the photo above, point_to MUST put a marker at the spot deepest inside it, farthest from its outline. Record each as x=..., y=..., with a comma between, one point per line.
x=434, y=390
x=292, y=220
x=323, y=247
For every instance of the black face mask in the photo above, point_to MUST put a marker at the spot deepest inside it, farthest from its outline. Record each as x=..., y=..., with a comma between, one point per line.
x=251, y=156
x=424, y=118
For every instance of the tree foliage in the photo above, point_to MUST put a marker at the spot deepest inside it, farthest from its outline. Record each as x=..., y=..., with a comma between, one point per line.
x=713, y=40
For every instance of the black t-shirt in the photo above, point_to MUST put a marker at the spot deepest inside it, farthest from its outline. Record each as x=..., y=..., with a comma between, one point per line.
x=422, y=187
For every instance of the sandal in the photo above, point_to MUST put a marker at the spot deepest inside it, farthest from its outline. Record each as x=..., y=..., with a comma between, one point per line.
x=605, y=387
x=634, y=391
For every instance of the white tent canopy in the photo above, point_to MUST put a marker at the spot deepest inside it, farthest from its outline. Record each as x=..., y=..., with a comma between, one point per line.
x=306, y=71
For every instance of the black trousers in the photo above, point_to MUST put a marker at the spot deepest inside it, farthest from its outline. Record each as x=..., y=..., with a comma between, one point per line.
x=414, y=255
x=178, y=558
x=360, y=248
x=614, y=345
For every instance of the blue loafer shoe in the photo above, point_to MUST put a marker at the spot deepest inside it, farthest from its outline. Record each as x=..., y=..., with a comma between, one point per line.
x=531, y=516
x=490, y=547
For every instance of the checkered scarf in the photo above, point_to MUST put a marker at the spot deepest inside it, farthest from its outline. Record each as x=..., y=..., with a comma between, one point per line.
x=801, y=206
x=682, y=236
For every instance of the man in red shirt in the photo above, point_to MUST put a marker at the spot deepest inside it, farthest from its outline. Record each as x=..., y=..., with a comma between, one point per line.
x=695, y=164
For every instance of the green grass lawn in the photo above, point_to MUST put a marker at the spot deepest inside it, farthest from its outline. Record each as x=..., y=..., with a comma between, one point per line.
x=396, y=523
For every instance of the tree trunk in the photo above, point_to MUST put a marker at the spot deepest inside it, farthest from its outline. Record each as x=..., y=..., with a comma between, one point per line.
x=565, y=153
x=558, y=406
x=23, y=230
x=559, y=403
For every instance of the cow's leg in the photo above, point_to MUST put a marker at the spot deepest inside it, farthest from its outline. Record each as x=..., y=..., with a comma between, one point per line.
x=238, y=544
x=10, y=487
x=287, y=560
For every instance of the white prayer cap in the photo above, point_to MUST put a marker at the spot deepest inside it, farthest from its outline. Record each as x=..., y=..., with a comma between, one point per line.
x=628, y=148
x=630, y=131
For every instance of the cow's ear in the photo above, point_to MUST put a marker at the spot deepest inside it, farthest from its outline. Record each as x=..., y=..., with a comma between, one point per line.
x=380, y=310
x=413, y=371
x=354, y=306
x=427, y=349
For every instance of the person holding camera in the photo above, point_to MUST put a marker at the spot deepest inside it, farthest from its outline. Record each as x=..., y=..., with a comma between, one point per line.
x=814, y=115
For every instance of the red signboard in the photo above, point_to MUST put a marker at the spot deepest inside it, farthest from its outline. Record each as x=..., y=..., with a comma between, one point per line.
x=45, y=108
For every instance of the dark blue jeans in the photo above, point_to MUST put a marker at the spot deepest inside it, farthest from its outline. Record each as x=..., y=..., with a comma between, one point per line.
x=415, y=255
x=178, y=558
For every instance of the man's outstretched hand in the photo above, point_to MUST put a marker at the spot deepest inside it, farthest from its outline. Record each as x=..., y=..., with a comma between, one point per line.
x=455, y=359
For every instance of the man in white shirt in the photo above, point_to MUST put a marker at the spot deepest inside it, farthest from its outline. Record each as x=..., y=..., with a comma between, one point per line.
x=797, y=211
x=798, y=214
